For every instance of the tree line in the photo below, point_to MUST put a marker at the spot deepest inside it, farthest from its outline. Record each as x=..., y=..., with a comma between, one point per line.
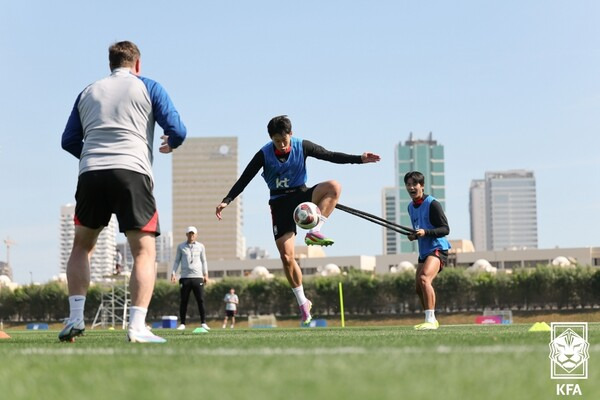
x=539, y=288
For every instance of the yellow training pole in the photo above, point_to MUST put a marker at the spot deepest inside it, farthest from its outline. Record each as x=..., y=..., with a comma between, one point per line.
x=341, y=304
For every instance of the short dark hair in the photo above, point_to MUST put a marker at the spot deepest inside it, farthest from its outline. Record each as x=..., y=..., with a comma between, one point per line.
x=123, y=54
x=279, y=125
x=416, y=175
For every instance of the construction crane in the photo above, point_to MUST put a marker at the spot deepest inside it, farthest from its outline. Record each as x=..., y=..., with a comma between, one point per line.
x=8, y=242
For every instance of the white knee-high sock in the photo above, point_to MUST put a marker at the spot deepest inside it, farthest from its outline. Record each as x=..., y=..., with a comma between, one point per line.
x=317, y=228
x=76, y=307
x=137, y=318
x=299, y=293
x=430, y=316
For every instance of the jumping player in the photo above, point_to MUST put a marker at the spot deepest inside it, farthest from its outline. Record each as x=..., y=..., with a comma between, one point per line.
x=283, y=161
x=431, y=225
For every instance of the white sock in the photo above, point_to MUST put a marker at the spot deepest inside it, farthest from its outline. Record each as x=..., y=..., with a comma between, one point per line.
x=137, y=318
x=76, y=306
x=322, y=220
x=299, y=293
x=430, y=316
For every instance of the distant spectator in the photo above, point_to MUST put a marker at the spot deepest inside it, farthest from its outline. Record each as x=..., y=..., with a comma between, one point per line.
x=231, y=302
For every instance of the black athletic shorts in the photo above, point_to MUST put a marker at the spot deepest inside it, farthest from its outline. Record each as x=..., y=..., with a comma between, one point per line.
x=441, y=254
x=282, y=210
x=126, y=193
x=230, y=313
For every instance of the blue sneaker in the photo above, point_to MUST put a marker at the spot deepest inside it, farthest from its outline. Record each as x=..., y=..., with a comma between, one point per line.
x=71, y=330
x=143, y=336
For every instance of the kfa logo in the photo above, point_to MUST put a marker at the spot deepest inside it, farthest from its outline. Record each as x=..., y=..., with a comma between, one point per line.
x=568, y=389
x=569, y=350
x=569, y=355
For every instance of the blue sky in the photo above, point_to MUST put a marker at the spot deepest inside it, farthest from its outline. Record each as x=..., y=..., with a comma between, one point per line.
x=502, y=85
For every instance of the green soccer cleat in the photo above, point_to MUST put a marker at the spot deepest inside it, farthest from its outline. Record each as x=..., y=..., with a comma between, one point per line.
x=427, y=326
x=317, y=239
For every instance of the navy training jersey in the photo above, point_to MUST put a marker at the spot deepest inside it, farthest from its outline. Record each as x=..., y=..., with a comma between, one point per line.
x=419, y=217
x=284, y=175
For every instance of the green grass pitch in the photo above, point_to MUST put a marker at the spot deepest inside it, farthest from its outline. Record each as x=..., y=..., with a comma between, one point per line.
x=454, y=362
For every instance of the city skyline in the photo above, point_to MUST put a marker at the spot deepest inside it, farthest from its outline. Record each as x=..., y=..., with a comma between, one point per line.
x=503, y=86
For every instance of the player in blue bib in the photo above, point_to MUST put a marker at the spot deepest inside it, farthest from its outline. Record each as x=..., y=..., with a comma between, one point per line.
x=283, y=161
x=431, y=225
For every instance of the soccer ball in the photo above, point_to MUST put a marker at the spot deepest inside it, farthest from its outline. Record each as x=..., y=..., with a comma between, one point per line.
x=307, y=215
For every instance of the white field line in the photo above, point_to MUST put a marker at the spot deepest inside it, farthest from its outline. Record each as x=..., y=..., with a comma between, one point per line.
x=157, y=349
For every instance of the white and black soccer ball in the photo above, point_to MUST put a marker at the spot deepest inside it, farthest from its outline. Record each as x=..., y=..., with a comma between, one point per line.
x=307, y=215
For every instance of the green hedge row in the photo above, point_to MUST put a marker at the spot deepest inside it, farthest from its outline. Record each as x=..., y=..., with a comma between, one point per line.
x=456, y=290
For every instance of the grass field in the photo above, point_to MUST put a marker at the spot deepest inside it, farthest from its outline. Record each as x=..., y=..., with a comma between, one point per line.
x=390, y=362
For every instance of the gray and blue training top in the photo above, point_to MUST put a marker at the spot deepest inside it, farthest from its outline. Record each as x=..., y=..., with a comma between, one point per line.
x=112, y=123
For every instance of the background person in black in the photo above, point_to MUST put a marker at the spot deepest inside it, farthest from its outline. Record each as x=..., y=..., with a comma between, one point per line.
x=283, y=161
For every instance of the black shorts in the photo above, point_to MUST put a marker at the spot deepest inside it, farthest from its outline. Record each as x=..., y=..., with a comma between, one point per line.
x=230, y=313
x=282, y=210
x=441, y=254
x=127, y=194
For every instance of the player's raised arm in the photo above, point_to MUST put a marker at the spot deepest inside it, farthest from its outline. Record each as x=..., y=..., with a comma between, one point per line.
x=312, y=149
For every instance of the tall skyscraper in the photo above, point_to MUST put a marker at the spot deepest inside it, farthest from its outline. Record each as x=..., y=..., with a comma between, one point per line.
x=391, y=239
x=204, y=169
x=164, y=247
x=164, y=250
x=427, y=157
x=102, y=262
x=477, y=209
x=508, y=218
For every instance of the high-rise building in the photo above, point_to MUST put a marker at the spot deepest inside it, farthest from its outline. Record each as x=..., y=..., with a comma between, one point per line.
x=164, y=247
x=391, y=239
x=164, y=250
x=5, y=269
x=427, y=157
x=102, y=262
x=477, y=209
x=508, y=218
x=204, y=169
